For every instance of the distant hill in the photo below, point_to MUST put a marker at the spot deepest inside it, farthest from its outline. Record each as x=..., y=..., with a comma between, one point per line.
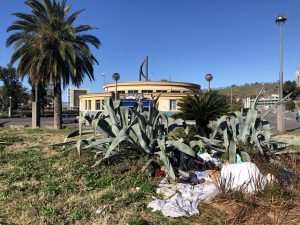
x=249, y=90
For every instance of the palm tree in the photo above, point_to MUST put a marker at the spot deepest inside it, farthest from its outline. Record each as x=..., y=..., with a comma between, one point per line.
x=202, y=108
x=50, y=48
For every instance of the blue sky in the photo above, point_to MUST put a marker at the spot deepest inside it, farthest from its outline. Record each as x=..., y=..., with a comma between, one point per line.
x=237, y=41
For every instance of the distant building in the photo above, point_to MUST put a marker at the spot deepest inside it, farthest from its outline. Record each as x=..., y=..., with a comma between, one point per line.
x=73, y=96
x=65, y=105
x=130, y=92
x=264, y=101
x=298, y=78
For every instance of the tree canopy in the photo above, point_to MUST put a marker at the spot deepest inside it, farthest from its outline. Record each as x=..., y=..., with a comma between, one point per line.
x=49, y=47
x=12, y=87
x=202, y=108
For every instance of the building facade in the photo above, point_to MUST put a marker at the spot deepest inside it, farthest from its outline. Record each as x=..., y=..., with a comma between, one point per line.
x=298, y=78
x=146, y=91
x=73, y=96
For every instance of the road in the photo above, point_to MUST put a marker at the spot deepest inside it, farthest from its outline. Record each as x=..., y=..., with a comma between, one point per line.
x=46, y=122
x=291, y=123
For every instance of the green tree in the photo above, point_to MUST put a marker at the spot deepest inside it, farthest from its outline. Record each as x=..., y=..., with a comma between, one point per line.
x=12, y=87
x=290, y=105
x=49, y=47
x=202, y=108
x=291, y=86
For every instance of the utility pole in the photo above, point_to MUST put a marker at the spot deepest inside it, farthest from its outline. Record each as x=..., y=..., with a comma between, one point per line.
x=281, y=126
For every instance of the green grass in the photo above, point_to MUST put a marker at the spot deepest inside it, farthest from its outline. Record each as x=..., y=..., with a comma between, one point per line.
x=40, y=185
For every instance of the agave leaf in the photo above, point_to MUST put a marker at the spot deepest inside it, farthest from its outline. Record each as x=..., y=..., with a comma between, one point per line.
x=225, y=139
x=266, y=131
x=210, y=142
x=80, y=123
x=142, y=122
x=76, y=133
x=149, y=131
x=124, y=114
x=160, y=121
x=94, y=125
x=253, y=106
x=245, y=156
x=249, y=124
x=182, y=173
x=98, y=142
x=165, y=159
x=198, y=143
x=257, y=144
x=116, y=104
x=146, y=165
x=112, y=115
x=232, y=152
x=275, y=105
x=79, y=145
x=142, y=138
x=121, y=136
x=104, y=128
x=182, y=147
x=219, y=121
x=140, y=107
x=73, y=134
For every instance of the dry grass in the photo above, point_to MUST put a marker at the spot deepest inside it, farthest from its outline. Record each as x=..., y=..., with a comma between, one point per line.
x=40, y=185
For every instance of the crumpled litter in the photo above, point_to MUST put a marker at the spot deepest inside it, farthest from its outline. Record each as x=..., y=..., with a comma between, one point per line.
x=184, y=203
x=245, y=177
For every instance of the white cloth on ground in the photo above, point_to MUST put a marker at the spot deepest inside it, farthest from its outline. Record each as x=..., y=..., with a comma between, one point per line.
x=243, y=176
x=186, y=202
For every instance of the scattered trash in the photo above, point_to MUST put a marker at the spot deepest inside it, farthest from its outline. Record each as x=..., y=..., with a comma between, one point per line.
x=245, y=177
x=159, y=172
x=186, y=202
x=137, y=188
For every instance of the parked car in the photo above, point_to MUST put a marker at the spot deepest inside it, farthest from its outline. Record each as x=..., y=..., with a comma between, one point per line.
x=68, y=118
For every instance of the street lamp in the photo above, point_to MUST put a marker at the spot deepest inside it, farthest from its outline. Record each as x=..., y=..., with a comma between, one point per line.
x=103, y=75
x=209, y=78
x=9, y=111
x=280, y=20
x=116, y=77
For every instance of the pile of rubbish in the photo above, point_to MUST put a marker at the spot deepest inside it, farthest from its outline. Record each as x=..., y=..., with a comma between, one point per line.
x=120, y=130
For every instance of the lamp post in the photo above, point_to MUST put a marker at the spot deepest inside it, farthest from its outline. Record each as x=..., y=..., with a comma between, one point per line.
x=116, y=77
x=103, y=75
x=209, y=78
x=9, y=110
x=280, y=20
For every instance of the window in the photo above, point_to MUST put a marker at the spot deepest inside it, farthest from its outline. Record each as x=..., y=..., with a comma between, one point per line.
x=175, y=91
x=87, y=104
x=98, y=104
x=121, y=92
x=161, y=91
x=172, y=105
x=132, y=91
x=147, y=91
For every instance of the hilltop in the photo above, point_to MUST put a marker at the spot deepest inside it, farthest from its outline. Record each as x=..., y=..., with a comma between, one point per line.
x=249, y=90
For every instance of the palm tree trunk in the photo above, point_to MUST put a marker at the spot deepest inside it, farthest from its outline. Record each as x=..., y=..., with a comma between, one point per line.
x=57, y=105
x=35, y=110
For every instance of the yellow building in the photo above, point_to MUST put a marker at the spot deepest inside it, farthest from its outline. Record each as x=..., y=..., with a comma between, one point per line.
x=130, y=92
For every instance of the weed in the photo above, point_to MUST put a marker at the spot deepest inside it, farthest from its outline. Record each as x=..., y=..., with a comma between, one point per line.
x=48, y=212
x=137, y=221
x=95, y=180
x=79, y=213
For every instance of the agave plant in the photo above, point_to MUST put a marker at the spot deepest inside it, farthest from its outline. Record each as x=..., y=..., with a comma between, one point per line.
x=143, y=131
x=252, y=130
